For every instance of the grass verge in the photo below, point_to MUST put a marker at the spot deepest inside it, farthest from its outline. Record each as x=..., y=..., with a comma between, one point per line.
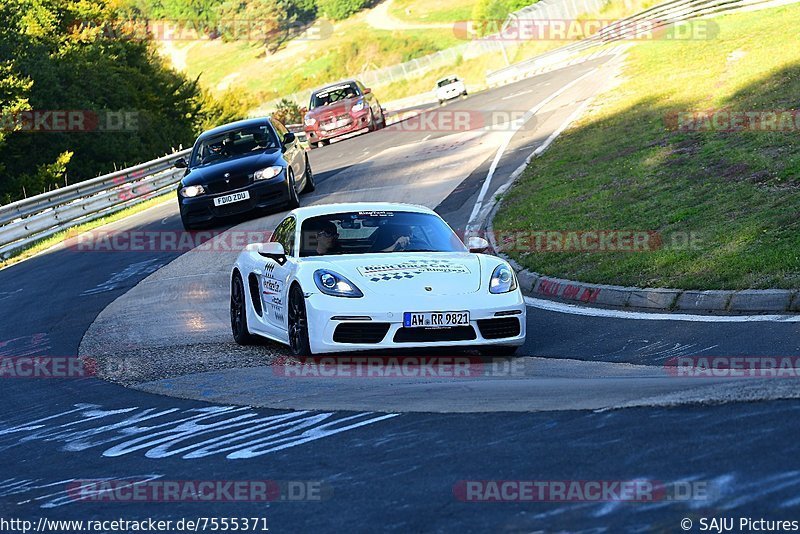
x=622, y=166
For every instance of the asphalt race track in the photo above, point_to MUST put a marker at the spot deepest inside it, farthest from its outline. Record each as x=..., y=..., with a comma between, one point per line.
x=178, y=400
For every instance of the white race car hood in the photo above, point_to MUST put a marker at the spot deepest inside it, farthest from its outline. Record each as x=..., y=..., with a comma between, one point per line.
x=410, y=274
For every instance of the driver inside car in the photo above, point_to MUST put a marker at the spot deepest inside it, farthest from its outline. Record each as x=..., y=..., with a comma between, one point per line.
x=401, y=236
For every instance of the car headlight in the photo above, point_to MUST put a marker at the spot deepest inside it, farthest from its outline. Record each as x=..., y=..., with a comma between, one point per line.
x=310, y=121
x=266, y=174
x=335, y=285
x=192, y=191
x=503, y=280
x=358, y=106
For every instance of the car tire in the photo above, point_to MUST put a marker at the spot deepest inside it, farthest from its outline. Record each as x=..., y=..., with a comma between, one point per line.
x=297, y=324
x=241, y=334
x=294, y=199
x=464, y=94
x=372, y=125
x=310, y=185
x=499, y=351
x=441, y=102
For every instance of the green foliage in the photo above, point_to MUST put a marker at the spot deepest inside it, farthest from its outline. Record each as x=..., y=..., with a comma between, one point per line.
x=70, y=55
x=341, y=9
x=199, y=14
x=270, y=21
x=228, y=107
x=288, y=112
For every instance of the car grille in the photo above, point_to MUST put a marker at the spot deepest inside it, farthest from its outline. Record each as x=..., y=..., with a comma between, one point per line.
x=423, y=335
x=234, y=182
x=499, y=328
x=232, y=209
x=361, y=332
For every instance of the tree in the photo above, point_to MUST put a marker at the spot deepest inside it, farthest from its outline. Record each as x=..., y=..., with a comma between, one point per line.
x=71, y=56
x=341, y=9
x=288, y=112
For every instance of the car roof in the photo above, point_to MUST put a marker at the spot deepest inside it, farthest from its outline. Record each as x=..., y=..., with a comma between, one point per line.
x=340, y=82
x=258, y=121
x=344, y=207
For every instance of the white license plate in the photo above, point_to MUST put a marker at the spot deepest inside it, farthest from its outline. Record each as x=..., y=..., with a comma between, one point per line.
x=334, y=125
x=233, y=197
x=435, y=319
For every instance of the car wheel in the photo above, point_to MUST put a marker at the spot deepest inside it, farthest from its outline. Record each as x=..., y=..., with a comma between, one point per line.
x=310, y=185
x=464, y=94
x=499, y=351
x=372, y=127
x=324, y=142
x=241, y=334
x=441, y=102
x=294, y=199
x=297, y=324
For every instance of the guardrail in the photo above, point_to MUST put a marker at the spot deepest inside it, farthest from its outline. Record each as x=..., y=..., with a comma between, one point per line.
x=651, y=19
x=29, y=220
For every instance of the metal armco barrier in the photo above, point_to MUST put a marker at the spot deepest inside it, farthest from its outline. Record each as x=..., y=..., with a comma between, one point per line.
x=26, y=221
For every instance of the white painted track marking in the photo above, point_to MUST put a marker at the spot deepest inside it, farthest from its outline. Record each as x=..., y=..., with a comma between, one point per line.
x=574, y=309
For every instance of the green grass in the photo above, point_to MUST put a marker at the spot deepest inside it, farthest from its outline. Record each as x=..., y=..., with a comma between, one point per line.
x=43, y=244
x=422, y=11
x=620, y=167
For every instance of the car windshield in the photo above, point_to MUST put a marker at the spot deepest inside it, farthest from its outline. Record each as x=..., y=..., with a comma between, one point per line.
x=232, y=143
x=367, y=232
x=333, y=94
x=447, y=81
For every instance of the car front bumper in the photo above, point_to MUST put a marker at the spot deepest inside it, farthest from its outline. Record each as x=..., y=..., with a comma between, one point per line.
x=266, y=194
x=326, y=314
x=450, y=93
x=357, y=123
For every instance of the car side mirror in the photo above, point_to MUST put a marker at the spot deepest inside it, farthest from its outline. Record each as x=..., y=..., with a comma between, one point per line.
x=180, y=163
x=272, y=250
x=477, y=244
x=289, y=138
x=367, y=90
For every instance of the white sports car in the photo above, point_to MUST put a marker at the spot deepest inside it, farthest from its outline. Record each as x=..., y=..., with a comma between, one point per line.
x=366, y=276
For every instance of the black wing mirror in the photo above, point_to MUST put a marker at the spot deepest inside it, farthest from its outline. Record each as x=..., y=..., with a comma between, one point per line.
x=180, y=163
x=289, y=138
